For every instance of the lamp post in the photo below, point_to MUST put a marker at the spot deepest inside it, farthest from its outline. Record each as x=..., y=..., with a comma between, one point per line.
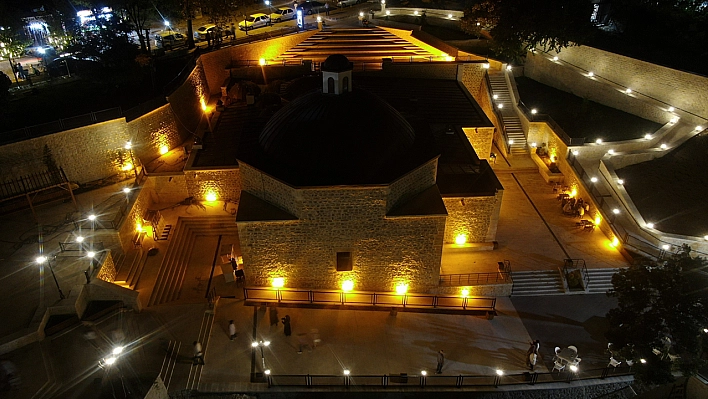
x=261, y=344
x=40, y=260
x=129, y=147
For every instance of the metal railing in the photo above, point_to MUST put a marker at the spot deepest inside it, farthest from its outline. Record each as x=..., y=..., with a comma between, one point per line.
x=398, y=381
x=569, y=265
x=454, y=280
x=367, y=299
x=497, y=113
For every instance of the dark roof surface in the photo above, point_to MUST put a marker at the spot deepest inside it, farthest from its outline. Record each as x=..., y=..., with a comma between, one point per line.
x=254, y=209
x=671, y=191
x=337, y=63
x=427, y=203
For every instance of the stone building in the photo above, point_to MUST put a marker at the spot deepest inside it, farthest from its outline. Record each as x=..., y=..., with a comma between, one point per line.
x=341, y=185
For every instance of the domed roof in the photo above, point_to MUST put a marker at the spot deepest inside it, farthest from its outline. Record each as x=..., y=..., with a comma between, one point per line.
x=352, y=138
x=337, y=63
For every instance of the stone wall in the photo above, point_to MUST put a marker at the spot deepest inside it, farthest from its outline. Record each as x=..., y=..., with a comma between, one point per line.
x=225, y=183
x=168, y=189
x=267, y=188
x=473, y=217
x=86, y=154
x=185, y=102
x=129, y=225
x=654, y=87
x=481, y=139
x=155, y=133
x=216, y=63
x=412, y=183
x=472, y=76
x=385, y=251
x=107, y=269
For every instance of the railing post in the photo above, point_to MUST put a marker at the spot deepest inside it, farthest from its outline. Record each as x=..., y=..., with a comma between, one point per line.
x=422, y=381
x=384, y=380
x=308, y=380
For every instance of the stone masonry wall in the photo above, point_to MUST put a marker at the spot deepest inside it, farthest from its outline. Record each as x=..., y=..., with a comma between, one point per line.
x=267, y=188
x=225, y=183
x=682, y=90
x=412, y=183
x=469, y=216
x=86, y=154
x=154, y=131
x=216, y=63
x=385, y=251
x=142, y=203
x=168, y=189
x=185, y=102
x=481, y=139
x=472, y=76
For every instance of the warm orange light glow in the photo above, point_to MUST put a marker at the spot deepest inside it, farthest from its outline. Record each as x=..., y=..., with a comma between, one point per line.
x=573, y=192
x=262, y=61
x=164, y=150
x=465, y=292
x=203, y=103
x=461, y=239
x=401, y=289
x=138, y=227
x=128, y=166
x=598, y=219
x=347, y=286
x=278, y=282
x=211, y=196
x=615, y=242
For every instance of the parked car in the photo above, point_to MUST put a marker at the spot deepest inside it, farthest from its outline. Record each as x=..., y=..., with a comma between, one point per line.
x=347, y=3
x=254, y=21
x=282, y=14
x=68, y=65
x=310, y=7
x=169, y=40
x=201, y=32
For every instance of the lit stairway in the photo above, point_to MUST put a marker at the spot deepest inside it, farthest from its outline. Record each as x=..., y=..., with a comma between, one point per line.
x=537, y=282
x=600, y=280
x=512, y=124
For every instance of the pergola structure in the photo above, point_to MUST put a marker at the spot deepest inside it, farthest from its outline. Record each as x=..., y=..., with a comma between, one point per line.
x=36, y=185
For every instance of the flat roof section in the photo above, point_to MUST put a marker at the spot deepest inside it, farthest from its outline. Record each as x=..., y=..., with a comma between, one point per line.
x=671, y=191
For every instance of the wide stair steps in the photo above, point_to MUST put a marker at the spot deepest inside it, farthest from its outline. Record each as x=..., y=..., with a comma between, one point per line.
x=130, y=267
x=600, y=280
x=168, y=285
x=537, y=282
x=512, y=124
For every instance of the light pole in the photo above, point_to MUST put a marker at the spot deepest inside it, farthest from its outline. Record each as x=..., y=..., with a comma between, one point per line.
x=129, y=147
x=262, y=344
x=40, y=260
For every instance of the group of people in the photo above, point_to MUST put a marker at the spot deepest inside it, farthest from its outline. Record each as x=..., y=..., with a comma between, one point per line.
x=574, y=207
x=25, y=74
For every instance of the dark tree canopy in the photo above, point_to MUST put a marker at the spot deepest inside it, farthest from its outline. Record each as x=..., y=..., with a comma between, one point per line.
x=518, y=25
x=661, y=306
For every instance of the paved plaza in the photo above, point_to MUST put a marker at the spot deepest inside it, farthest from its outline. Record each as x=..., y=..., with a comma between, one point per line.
x=532, y=235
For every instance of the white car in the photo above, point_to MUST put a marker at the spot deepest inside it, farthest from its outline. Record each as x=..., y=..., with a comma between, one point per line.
x=169, y=40
x=347, y=3
x=282, y=14
x=254, y=21
x=201, y=32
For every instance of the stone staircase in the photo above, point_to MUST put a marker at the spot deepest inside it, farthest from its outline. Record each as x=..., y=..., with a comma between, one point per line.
x=130, y=267
x=600, y=280
x=512, y=124
x=537, y=282
x=170, y=278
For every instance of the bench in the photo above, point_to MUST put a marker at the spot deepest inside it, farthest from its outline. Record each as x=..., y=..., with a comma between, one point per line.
x=138, y=239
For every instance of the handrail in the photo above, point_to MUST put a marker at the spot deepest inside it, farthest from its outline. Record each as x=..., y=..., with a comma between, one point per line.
x=577, y=264
x=367, y=299
x=461, y=380
x=498, y=114
x=454, y=280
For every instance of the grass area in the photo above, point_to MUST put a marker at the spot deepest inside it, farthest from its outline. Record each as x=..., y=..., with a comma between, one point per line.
x=580, y=117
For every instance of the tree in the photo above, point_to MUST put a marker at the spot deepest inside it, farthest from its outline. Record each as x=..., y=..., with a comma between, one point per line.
x=11, y=38
x=137, y=12
x=519, y=25
x=661, y=307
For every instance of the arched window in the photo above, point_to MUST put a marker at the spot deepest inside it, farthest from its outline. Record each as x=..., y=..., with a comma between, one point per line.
x=330, y=85
x=345, y=84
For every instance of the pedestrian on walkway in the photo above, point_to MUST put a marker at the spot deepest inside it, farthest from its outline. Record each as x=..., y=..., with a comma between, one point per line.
x=286, y=324
x=327, y=8
x=273, y=314
x=198, y=354
x=441, y=361
x=531, y=361
x=232, y=330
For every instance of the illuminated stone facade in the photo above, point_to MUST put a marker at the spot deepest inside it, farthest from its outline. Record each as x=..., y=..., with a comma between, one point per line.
x=386, y=251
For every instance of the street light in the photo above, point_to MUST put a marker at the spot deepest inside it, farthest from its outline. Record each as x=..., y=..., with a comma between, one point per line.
x=40, y=260
x=261, y=344
x=129, y=146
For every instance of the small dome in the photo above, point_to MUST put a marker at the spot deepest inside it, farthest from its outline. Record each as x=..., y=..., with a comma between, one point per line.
x=332, y=140
x=337, y=63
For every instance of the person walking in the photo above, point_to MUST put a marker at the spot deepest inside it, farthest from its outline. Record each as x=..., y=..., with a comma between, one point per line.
x=286, y=324
x=441, y=361
x=273, y=315
x=327, y=8
x=232, y=330
x=531, y=361
x=198, y=354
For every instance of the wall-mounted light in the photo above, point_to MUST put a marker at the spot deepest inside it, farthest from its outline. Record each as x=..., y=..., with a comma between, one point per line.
x=598, y=141
x=671, y=109
x=401, y=289
x=347, y=285
x=278, y=282
x=591, y=74
x=461, y=239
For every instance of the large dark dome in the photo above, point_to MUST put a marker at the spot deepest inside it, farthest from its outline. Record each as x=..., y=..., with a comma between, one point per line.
x=337, y=139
